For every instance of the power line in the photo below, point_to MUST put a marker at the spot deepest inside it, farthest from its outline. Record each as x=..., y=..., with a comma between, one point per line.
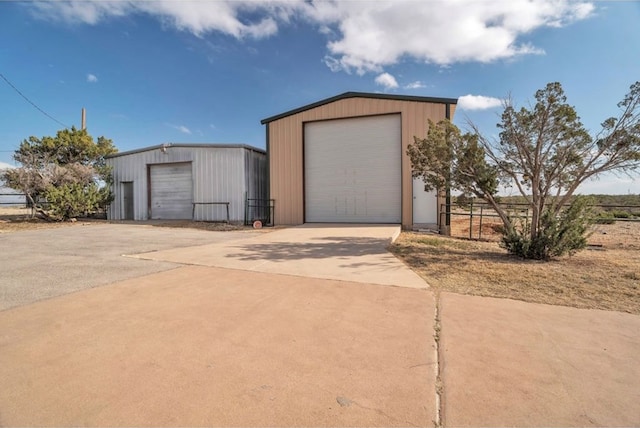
x=31, y=102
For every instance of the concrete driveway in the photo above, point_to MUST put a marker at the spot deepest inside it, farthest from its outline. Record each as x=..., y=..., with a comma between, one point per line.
x=45, y=263
x=272, y=341
x=511, y=363
x=201, y=346
x=343, y=252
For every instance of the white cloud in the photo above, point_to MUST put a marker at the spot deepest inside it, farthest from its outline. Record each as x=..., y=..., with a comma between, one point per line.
x=180, y=128
x=333, y=64
x=92, y=78
x=87, y=12
x=478, y=102
x=415, y=85
x=378, y=34
x=363, y=36
x=327, y=31
x=386, y=80
x=4, y=165
x=196, y=17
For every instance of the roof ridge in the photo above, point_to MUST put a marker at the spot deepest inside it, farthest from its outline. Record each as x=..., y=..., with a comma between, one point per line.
x=352, y=94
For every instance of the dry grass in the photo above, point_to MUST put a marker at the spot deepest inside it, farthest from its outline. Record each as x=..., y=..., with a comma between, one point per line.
x=621, y=234
x=462, y=227
x=14, y=219
x=606, y=276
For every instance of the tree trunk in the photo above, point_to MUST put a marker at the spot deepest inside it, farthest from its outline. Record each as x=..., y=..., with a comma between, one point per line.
x=503, y=215
x=32, y=203
x=535, y=206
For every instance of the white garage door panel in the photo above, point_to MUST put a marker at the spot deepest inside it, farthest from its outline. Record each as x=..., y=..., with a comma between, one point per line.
x=171, y=191
x=353, y=170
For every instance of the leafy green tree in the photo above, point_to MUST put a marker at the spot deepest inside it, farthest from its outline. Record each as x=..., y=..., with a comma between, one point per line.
x=545, y=153
x=68, y=171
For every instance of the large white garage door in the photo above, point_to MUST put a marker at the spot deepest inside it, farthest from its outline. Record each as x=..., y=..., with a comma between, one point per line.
x=353, y=170
x=171, y=191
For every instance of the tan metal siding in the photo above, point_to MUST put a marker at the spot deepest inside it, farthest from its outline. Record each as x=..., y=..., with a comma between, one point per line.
x=452, y=109
x=285, y=165
x=285, y=148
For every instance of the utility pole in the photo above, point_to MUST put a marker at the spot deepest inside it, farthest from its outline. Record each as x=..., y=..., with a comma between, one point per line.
x=84, y=119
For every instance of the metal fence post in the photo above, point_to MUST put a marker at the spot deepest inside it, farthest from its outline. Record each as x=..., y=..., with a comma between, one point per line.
x=246, y=208
x=480, y=228
x=471, y=221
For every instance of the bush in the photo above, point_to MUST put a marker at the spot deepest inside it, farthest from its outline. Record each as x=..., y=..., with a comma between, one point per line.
x=605, y=217
x=558, y=235
x=73, y=200
x=621, y=214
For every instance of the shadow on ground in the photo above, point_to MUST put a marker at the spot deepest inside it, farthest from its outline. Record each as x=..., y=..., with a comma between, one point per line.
x=320, y=248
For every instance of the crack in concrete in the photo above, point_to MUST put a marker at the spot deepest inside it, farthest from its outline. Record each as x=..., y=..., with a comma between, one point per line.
x=381, y=413
x=421, y=365
x=439, y=386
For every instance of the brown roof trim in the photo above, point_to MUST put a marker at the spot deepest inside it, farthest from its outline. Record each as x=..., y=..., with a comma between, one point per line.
x=187, y=145
x=346, y=95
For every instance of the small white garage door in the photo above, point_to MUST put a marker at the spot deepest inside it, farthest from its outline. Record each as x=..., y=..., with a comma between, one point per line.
x=171, y=191
x=353, y=171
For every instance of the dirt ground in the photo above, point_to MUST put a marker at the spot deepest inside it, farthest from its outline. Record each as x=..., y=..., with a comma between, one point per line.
x=621, y=234
x=15, y=219
x=604, y=276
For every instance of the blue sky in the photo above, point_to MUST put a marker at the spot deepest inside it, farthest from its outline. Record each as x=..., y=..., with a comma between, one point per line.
x=208, y=71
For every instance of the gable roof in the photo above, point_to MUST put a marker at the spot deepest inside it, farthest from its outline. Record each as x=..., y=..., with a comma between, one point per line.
x=361, y=95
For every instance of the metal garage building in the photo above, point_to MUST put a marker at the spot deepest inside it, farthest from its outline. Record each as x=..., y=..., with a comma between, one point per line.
x=187, y=181
x=343, y=160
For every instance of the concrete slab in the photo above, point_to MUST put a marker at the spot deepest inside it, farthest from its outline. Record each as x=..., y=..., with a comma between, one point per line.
x=44, y=263
x=346, y=252
x=511, y=363
x=199, y=346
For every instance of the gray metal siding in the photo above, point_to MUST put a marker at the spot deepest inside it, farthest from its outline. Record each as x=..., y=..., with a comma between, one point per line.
x=256, y=175
x=171, y=191
x=219, y=175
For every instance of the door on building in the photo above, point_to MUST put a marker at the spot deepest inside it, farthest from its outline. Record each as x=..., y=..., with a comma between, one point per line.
x=171, y=191
x=127, y=200
x=425, y=204
x=352, y=170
